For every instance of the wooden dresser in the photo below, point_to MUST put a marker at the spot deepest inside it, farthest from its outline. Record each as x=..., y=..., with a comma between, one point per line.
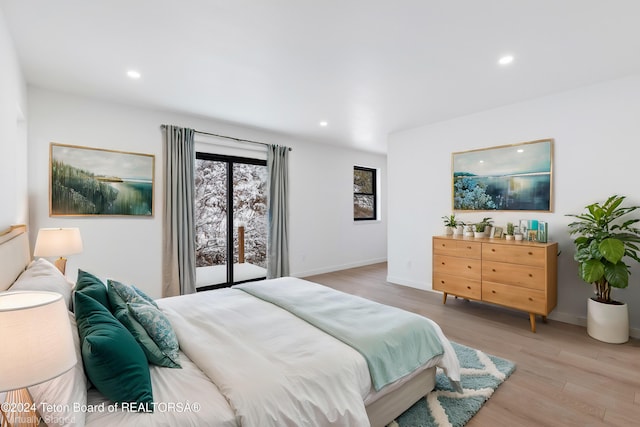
x=515, y=274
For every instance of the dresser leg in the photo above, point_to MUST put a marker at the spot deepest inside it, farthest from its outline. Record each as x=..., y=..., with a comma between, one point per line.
x=532, y=320
x=444, y=298
x=544, y=319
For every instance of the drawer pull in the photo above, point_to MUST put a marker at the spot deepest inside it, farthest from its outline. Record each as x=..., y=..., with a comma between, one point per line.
x=469, y=267
x=530, y=299
x=493, y=269
x=493, y=250
x=443, y=263
x=468, y=247
x=493, y=292
x=468, y=287
x=530, y=275
x=530, y=253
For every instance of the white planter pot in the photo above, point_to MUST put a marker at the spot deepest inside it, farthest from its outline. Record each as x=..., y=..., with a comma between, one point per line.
x=478, y=234
x=517, y=236
x=448, y=231
x=509, y=237
x=608, y=322
x=458, y=231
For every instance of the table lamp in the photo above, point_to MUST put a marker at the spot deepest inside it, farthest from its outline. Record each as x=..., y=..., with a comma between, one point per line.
x=37, y=346
x=58, y=242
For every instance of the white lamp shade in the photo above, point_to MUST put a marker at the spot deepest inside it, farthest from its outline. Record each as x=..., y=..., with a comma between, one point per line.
x=36, y=341
x=58, y=242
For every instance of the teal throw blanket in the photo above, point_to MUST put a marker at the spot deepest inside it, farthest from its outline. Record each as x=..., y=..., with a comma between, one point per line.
x=394, y=342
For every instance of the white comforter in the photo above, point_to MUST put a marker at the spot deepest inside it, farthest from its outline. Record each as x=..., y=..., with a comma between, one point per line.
x=273, y=368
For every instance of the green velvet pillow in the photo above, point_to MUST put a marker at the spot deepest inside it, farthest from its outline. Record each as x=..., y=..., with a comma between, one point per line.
x=158, y=327
x=119, y=295
x=90, y=285
x=112, y=358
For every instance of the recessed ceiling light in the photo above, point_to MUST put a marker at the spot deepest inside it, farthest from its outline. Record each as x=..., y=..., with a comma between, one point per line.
x=520, y=150
x=324, y=124
x=133, y=74
x=505, y=60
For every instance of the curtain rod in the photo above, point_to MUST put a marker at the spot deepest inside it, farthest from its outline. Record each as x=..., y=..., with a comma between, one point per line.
x=229, y=137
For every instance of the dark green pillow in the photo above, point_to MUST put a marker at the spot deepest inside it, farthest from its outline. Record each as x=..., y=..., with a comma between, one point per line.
x=119, y=295
x=90, y=285
x=112, y=358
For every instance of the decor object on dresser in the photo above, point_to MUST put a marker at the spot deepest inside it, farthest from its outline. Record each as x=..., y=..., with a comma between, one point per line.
x=452, y=225
x=93, y=181
x=515, y=177
x=37, y=346
x=510, y=231
x=520, y=275
x=481, y=228
x=58, y=242
x=606, y=236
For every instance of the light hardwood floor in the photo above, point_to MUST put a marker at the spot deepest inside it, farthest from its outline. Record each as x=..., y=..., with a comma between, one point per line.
x=563, y=377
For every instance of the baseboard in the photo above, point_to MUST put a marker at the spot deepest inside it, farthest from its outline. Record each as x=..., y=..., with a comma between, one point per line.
x=582, y=321
x=333, y=268
x=410, y=283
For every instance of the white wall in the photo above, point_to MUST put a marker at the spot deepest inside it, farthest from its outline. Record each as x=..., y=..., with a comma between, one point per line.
x=597, y=147
x=13, y=136
x=323, y=234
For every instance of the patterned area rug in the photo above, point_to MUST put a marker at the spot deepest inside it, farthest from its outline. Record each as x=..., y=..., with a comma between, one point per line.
x=481, y=374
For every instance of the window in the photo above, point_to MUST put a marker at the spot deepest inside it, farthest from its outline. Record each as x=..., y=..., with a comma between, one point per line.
x=364, y=194
x=231, y=220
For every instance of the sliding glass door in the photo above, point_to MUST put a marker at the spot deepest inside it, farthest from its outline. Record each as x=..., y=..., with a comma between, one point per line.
x=231, y=220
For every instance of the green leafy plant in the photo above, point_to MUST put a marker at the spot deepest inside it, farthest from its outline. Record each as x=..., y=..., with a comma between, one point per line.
x=510, y=229
x=451, y=221
x=605, y=239
x=480, y=226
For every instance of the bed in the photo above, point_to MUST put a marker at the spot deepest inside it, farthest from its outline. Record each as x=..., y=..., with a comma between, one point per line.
x=246, y=359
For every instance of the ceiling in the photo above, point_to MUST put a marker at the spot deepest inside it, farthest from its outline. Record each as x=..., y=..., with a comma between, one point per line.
x=367, y=67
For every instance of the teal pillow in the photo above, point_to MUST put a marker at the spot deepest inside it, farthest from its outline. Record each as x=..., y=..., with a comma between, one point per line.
x=112, y=359
x=90, y=285
x=145, y=296
x=119, y=295
x=158, y=327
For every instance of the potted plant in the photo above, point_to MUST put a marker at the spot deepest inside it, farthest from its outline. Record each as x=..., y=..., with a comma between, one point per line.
x=450, y=224
x=480, y=228
x=606, y=237
x=510, y=229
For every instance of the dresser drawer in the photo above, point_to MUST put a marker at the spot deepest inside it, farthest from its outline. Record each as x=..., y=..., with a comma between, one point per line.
x=530, y=300
x=458, y=248
x=456, y=285
x=514, y=274
x=463, y=267
x=527, y=255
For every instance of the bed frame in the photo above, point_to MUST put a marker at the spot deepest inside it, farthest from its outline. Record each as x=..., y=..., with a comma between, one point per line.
x=15, y=256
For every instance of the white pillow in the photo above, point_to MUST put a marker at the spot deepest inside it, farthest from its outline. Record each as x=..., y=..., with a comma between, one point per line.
x=41, y=275
x=56, y=399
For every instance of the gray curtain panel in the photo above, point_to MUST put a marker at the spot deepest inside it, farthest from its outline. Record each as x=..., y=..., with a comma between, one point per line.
x=178, y=231
x=278, y=211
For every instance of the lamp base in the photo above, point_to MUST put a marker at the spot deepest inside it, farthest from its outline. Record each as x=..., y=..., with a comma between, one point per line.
x=61, y=263
x=19, y=409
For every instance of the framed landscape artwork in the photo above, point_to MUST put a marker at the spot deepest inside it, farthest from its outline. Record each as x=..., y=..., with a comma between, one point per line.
x=514, y=177
x=92, y=181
